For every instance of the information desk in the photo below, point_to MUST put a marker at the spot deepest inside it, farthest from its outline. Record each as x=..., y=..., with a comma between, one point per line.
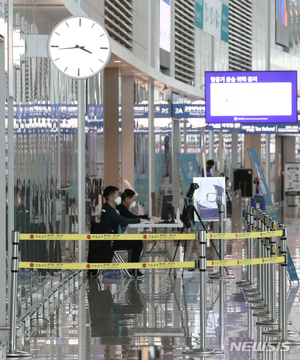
x=156, y=226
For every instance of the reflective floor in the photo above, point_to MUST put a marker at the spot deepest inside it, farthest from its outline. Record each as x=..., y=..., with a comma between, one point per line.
x=111, y=318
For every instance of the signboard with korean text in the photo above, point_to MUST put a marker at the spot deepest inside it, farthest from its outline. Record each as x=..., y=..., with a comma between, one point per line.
x=160, y=111
x=212, y=16
x=292, y=178
x=251, y=97
x=208, y=196
x=185, y=111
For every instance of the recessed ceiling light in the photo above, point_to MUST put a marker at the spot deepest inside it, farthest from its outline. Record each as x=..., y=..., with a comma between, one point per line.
x=117, y=61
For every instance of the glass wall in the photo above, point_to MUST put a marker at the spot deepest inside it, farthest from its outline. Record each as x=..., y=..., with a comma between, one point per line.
x=45, y=139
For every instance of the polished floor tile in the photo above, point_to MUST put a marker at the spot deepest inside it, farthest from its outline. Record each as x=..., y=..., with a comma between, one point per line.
x=112, y=318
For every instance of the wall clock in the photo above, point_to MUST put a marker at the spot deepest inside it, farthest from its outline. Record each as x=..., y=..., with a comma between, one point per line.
x=79, y=47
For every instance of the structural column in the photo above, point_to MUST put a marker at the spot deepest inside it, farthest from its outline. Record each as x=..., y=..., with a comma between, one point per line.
x=175, y=165
x=234, y=147
x=81, y=168
x=111, y=126
x=127, y=100
x=151, y=142
x=2, y=194
x=252, y=141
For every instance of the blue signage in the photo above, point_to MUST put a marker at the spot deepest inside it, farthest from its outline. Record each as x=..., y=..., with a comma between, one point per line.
x=160, y=111
x=270, y=210
x=185, y=111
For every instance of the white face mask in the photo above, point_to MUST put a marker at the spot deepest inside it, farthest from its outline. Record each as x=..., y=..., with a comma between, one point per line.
x=118, y=200
x=133, y=205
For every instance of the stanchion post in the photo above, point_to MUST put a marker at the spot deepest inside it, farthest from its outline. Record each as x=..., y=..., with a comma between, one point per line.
x=273, y=321
x=251, y=253
x=221, y=275
x=13, y=299
x=201, y=237
x=268, y=282
x=221, y=241
x=249, y=284
x=258, y=248
x=262, y=308
x=244, y=282
x=282, y=305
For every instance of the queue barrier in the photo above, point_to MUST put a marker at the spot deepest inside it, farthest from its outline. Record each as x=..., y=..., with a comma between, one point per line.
x=200, y=264
x=148, y=265
x=107, y=236
x=223, y=236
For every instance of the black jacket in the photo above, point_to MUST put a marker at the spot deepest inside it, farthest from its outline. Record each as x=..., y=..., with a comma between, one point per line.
x=109, y=219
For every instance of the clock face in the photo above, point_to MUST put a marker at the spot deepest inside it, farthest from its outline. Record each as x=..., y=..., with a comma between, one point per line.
x=79, y=47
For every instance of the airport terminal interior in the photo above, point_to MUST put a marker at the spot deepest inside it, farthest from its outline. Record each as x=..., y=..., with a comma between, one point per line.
x=193, y=105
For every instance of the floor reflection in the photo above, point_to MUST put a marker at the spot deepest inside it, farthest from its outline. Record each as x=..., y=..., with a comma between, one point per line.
x=112, y=318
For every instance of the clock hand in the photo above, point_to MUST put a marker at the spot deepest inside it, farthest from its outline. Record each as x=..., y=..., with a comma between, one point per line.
x=83, y=48
x=74, y=47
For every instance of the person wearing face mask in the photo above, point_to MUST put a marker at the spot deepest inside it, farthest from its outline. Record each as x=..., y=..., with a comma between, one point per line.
x=128, y=203
x=191, y=173
x=111, y=222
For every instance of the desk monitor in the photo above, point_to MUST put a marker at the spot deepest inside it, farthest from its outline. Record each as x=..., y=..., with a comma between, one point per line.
x=167, y=210
x=242, y=179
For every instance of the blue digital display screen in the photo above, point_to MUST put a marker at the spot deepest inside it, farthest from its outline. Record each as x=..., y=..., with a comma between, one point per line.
x=251, y=97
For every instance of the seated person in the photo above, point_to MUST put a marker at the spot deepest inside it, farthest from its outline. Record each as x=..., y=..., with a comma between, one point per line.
x=110, y=222
x=128, y=202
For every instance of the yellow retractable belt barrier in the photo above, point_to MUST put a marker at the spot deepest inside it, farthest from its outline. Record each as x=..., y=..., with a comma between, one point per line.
x=93, y=266
x=107, y=236
x=141, y=265
x=257, y=234
x=258, y=261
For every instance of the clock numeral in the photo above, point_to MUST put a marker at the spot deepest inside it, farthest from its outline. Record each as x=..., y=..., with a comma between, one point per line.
x=65, y=69
x=101, y=61
x=91, y=70
x=103, y=47
x=79, y=22
x=54, y=45
x=78, y=72
x=67, y=24
x=56, y=59
x=57, y=33
x=101, y=35
x=92, y=25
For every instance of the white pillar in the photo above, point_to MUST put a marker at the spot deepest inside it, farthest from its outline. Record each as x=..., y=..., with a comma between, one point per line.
x=268, y=65
x=175, y=165
x=81, y=168
x=221, y=151
x=111, y=126
x=211, y=64
x=10, y=129
x=151, y=142
x=234, y=149
x=2, y=194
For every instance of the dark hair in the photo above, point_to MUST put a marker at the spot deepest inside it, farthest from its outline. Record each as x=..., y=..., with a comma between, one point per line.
x=128, y=193
x=108, y=191
x=210, y=163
